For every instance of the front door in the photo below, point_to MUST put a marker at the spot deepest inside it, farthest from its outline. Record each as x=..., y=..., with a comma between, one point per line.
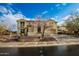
x=39, y=29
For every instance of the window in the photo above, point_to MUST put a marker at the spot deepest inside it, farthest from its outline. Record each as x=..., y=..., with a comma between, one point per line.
x=22, y=30
x=22, y=24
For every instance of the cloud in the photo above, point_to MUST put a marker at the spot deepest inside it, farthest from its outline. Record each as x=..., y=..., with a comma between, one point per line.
x=57, y=5
x=44, y=12
x=77, y=9
x=60, y=23
x=66, y=17
x=19, y=15
x=54, y=18
x=9, y=18
x=6, y=10
x=64, y=4
x=70, y=17
x=3, y=9
x=63, y=19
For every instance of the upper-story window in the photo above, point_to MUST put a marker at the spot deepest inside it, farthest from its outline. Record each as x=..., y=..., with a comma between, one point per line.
x=22, y=24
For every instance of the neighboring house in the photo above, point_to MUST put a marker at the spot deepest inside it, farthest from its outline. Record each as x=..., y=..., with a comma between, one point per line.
x=36, y=26
x=62, y=29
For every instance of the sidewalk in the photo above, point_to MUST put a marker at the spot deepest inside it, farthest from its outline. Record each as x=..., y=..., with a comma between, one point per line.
x=39, y=44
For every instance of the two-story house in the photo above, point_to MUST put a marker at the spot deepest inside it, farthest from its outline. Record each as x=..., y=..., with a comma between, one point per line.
x=36, y=26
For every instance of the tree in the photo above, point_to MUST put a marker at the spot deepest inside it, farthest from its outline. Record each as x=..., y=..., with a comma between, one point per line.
x=44, y=27
x=27, y=30
x=72, y=25
x=2, y=29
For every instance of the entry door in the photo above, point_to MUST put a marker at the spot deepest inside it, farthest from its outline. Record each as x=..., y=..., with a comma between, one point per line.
x=39, y=29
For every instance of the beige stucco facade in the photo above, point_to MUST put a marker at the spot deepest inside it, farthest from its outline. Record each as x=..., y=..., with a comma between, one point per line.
x=36, y=27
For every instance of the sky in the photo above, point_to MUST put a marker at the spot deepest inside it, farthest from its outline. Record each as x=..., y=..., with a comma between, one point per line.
x=10, y=12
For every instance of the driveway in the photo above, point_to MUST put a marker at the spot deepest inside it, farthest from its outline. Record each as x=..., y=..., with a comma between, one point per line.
x=64, y=36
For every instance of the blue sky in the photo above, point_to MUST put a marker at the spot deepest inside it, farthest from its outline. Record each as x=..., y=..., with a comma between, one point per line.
x=45, y=10
x=57, y=11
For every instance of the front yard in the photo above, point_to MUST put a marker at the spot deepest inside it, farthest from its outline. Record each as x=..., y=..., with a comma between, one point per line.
x=37, y=38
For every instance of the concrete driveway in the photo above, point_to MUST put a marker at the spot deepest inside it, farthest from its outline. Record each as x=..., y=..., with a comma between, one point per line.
x=64, y=36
